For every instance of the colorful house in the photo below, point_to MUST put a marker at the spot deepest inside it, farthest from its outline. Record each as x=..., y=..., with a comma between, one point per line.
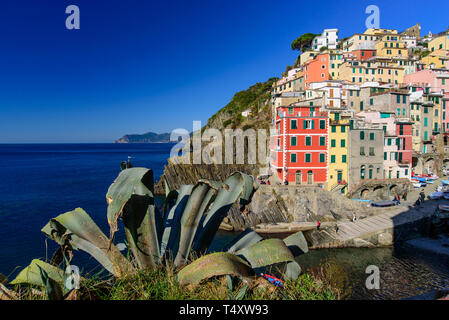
x=317, y=69
x=300, y=144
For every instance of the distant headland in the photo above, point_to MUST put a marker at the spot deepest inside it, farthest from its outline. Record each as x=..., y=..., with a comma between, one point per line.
x=149, y=137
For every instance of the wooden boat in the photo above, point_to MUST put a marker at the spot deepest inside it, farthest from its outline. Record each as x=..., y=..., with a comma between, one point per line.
x=387, y=203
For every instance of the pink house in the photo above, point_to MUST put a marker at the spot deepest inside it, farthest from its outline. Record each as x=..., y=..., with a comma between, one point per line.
x=397, y=142
x=437, y=79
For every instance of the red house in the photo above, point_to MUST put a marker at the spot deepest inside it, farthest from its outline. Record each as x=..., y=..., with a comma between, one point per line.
x=316, y=70
x=301, y=144
x=363, y=54
x=404, y=136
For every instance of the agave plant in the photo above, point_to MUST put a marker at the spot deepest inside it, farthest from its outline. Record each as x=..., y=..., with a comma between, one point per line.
x=185, y=223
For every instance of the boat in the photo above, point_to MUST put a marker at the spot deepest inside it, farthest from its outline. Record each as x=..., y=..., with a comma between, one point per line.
x=436, y=195
x=363, y=200
x=420, y=179
x=387, y=203
x=417, y=185
x=446, y=195
x=445, y=182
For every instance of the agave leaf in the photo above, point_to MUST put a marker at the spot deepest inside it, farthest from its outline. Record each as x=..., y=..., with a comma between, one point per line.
x=292, y=271
x=239, y=185
x=297, y=243
x=245, y=239
x=142, y=227
x=229, y=283
x=6, y=294
x=266, y=252
x=133, y=181
x=214, y=264
x=241, y=293
x=77, y=230
x=53, y=289
x=3, y=278
x=198, y=201
x=32, y=274
x=172, y=224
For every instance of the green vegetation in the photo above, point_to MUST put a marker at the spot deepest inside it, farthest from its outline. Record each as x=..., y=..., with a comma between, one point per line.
x=303, y=42
x=161, y=284
x=163, y=243
x=256, y=98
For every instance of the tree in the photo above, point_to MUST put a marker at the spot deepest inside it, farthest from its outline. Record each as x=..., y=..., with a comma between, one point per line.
x=303, y=42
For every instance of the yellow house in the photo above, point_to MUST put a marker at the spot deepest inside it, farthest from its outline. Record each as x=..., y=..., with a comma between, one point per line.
x=359, y=72
x=307, y=56
x=338, y=166
x=335, y=61
x=439, y=43
x=438, y=58
x=437, y=100
x=372, y=31
x=391, y=45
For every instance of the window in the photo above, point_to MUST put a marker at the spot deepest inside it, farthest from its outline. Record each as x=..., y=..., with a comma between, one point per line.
x=322, y=124
x=293, y=124
x=308, y=157
x=322, y=141
x=361, y=105
x=293, y=141
x=343, y=129
x=362, y=151
x=290, y=110
x=292, y=157
x=308, y=124
x=333, y=128
x=333, y=143
x=398, y=99
x=371, y=151
x=371, y=136
x=308, y=141
x=322, y=157
x=404, y=97
x=343, y=143
x=371, y=102
x=362, y=135
x=385, y=156
x=343, y=158
x=332, y=159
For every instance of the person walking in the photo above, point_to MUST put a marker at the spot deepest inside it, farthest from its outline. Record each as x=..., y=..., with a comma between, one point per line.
x=404, y=196
x=422, y=196
x=318, y=224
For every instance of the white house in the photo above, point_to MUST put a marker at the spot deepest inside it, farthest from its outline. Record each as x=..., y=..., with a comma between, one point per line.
x=329, y=39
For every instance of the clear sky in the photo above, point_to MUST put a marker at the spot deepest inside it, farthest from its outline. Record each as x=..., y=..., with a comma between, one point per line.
x=141, y=65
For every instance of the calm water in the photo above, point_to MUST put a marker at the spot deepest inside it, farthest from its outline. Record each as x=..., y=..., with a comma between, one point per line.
x=39, y=182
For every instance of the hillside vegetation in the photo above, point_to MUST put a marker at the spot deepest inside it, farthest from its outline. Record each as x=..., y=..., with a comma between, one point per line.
x=256, y=98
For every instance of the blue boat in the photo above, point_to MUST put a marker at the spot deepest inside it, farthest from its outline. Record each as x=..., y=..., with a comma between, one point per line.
x=387, y=203
x=445, y=182
x=420, y=179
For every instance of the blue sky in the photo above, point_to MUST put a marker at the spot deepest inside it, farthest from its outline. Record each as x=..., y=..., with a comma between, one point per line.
x=143, y=65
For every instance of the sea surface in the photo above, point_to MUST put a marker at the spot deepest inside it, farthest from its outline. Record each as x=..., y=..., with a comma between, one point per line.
x=40, y=181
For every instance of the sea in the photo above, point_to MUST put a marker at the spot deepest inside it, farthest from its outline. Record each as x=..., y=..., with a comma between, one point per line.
x=40, y=181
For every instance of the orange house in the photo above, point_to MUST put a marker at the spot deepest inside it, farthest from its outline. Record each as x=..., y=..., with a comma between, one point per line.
x=363, y=54
x=317, y=69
